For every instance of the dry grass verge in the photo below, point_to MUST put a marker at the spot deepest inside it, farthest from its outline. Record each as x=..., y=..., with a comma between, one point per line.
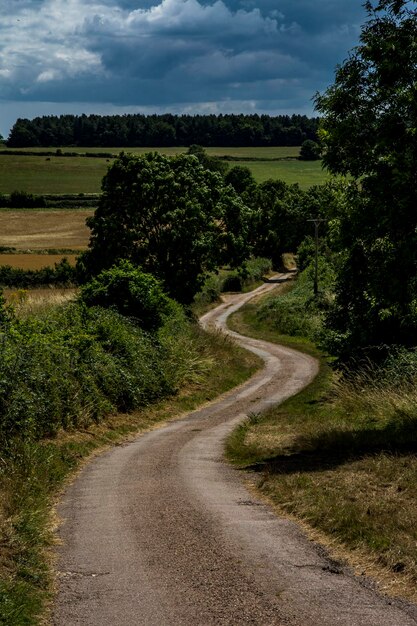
x=340, y=458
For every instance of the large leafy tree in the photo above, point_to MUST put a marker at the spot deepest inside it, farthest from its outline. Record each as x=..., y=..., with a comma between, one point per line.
x=171, y=216
x=278, y=220
x=369, y=131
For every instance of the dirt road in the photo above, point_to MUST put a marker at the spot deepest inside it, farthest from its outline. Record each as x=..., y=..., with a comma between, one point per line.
x=161, y=532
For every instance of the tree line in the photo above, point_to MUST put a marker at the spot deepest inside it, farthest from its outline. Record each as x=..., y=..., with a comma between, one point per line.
x=137, y=130
x=151, y=207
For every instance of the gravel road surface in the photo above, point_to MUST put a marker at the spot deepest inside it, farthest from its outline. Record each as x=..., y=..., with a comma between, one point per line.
x=161, y=532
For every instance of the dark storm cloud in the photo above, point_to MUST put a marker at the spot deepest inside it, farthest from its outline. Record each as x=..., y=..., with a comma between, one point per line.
x=174, y=52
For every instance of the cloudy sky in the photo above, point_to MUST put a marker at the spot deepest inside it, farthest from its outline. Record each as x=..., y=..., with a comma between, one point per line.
x=108, y=56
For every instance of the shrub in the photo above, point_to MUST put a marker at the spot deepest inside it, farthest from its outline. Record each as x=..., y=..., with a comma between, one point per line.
x=250, y=272
x=299, y=312
x=71, y=366
x=62, y=274
x=131, y=292
x=310, y=151
x=23, y=200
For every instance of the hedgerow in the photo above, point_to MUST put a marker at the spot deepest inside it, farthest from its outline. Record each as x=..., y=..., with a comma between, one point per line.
x=73, y=365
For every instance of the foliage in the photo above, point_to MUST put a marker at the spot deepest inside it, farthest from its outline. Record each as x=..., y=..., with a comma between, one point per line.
x=72, y=365
x=162, y=130
x=240, y=177
x=131, y=292
x=253, y=271
x=214, y=164
x=369, y=132
x=24, y=200
x=171, y=216
x=280, y=215
x=278, y=222
x=298, y=312
x=21, y=199
x=62, y=274
x=310, y=151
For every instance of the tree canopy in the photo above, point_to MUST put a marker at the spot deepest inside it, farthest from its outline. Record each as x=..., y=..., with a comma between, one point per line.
x=310, y=151
x=369, y=131
x=169, y=215
x=163, y=130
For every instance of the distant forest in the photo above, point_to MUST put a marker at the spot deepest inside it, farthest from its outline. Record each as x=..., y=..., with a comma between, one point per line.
x=162, y=130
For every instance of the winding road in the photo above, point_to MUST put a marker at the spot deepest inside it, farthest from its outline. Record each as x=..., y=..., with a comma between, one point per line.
x=161, y=532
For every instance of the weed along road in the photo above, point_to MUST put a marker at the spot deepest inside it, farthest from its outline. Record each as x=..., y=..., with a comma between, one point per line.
x=161, y=532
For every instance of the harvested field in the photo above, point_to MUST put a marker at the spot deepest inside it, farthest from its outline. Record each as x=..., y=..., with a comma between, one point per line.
x=39, y=230
x=35, y=261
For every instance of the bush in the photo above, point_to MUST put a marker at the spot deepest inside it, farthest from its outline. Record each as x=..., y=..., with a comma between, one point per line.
x=23, y=200
x=299, y=313
x=72, y=366
x=62, y=274
x=131, y=292
x=250, y=272
x=66, y=367
x=310, y=151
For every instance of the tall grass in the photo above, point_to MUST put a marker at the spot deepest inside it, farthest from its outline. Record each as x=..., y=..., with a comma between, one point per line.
x=341, y=455
x=298, y=312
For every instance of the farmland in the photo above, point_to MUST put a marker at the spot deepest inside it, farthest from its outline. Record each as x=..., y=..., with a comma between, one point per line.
x=39, y=230
x=34, y=261
x=275, y=152
x=305, y=173
x=80, y=174
x=36, y=174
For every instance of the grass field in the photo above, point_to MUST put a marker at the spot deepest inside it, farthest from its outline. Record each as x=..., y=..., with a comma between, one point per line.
x=274, y=152
x=83, y=175
x=305, y=173
x=56, y=175
x=39, y=230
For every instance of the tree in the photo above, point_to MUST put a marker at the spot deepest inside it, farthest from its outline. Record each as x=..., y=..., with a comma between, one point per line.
x=23, y=134
x=369, y=131
x=278, y=220
x=240, y=177
x=171, y=216
x=209, y=163
x=310, y=151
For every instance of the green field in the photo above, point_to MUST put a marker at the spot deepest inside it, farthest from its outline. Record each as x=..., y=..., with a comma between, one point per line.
x=305, y=173
x=275, y=152
x=57, y=175
x=39, y=174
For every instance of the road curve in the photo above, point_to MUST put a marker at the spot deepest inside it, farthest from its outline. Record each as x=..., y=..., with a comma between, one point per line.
x=161, y=532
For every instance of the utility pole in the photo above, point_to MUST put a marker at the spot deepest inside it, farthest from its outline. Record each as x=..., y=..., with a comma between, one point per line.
x=316, y=223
